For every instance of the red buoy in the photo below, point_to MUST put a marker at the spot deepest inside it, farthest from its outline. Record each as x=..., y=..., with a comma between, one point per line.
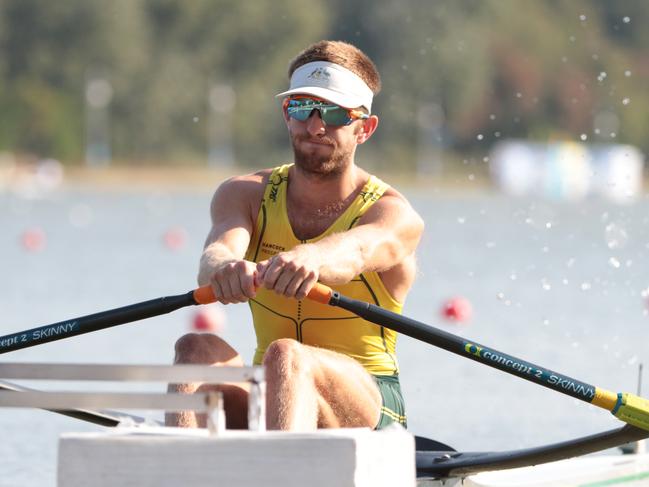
x=210, y=318
x=457, y=309
x=33, y=240
x=175, y=238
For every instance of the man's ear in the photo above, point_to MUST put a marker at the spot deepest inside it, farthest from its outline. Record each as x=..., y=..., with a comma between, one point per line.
x=369, y=127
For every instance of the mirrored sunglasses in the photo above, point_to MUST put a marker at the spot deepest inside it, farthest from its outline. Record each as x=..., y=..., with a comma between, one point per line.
x=301, y=107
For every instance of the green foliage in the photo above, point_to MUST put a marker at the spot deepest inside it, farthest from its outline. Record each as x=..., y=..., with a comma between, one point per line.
x=541, y=69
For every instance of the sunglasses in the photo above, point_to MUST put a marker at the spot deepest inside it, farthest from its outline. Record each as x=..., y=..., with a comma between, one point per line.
x=301, y=107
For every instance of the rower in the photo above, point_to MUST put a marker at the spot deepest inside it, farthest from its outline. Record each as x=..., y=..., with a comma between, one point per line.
x=277, y=232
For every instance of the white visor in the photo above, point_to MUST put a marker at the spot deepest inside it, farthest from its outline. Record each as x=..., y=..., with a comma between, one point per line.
x=330, y=82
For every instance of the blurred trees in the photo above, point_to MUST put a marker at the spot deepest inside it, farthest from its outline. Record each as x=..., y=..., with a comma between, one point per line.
x=484, y=69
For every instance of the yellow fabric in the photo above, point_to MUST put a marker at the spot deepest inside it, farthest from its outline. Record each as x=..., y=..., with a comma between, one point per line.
x=311, y=323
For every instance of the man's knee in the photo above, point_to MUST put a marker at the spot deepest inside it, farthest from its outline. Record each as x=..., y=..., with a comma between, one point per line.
x=204, y=348
x=286, y=356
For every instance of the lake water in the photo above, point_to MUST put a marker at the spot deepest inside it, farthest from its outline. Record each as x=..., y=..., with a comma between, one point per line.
x=561, y=284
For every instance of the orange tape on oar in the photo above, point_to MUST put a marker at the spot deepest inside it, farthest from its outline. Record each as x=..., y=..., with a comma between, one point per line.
x=319, y=292
x=204, y=295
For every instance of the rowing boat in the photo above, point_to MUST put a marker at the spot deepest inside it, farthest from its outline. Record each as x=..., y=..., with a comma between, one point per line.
x=436, y=463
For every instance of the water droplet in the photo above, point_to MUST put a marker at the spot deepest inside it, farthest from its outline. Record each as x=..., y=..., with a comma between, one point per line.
x=548, y=225
x=585, y=286
x=627, y=73
x=626, y=101
x=616, y=236
x=480, y=137
x=570, y=262
x=513, y=276
x=614, y=262
x=626, y=19
x=583, y=137
x=500, y=296
x=461, y=219
x=195, y=119
x=492, y=117
x=545, y=284
x=582, y=17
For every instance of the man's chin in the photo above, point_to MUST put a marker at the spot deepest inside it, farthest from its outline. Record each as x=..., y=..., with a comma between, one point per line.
x=316, y=165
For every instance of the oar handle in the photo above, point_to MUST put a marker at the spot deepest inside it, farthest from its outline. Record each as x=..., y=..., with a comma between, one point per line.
x=320, y=293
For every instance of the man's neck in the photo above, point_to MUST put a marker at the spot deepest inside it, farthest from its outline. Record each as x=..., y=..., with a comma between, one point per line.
x=318, y=192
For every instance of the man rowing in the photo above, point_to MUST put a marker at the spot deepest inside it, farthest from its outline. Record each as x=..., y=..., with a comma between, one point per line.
x=276, y=232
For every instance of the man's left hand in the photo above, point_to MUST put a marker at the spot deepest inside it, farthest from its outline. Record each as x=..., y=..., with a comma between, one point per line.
x=291, y=273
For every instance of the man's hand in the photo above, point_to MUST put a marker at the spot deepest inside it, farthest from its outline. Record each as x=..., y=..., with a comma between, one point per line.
x=291, y=273
x=233, y=281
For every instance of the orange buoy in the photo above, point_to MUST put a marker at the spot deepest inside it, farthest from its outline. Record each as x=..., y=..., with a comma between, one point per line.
x=33, y=240
x=457, y=309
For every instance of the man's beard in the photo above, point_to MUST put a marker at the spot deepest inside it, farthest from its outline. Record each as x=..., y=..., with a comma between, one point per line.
x=321, y=165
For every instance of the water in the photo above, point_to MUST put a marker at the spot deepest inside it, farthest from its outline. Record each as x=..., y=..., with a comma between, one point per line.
x=558, y=284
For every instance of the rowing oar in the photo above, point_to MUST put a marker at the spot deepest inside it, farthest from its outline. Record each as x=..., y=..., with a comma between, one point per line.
x=102, y=418
x=627, y=407
x=98, y=321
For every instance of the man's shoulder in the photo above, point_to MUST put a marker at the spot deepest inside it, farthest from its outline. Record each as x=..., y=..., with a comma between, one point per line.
x=248, y=180
x=246, y=187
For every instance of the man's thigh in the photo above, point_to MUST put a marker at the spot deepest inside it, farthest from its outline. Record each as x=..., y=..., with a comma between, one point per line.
x=347, y=394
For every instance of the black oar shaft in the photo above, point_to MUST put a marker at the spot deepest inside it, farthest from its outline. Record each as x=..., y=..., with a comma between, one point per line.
x=466, y=348
x=94, y=322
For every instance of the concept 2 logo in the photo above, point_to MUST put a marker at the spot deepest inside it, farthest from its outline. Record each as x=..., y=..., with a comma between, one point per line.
x=529, y=371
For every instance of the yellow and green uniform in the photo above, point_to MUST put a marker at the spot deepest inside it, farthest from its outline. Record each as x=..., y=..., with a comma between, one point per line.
x=312, y=323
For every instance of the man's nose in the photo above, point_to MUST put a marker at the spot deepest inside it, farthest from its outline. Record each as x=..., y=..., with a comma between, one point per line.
x=314, y=123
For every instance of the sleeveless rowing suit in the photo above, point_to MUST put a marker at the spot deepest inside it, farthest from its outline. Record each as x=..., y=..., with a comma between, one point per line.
x=316, y=324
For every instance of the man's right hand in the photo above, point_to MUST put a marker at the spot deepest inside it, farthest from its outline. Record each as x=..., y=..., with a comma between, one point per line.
x=234, y=281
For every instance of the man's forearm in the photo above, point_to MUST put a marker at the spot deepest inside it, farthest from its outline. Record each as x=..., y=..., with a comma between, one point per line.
x=341, y=258
x=214, y=255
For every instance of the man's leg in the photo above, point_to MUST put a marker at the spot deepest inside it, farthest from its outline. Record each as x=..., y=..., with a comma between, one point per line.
x=309, y=388
x=195, y=348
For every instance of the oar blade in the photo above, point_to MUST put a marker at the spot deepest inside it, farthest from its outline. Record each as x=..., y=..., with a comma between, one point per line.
x=633, y=410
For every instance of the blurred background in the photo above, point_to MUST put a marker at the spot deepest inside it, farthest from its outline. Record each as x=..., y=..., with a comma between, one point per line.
x=518, y=130
x=140, y=82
